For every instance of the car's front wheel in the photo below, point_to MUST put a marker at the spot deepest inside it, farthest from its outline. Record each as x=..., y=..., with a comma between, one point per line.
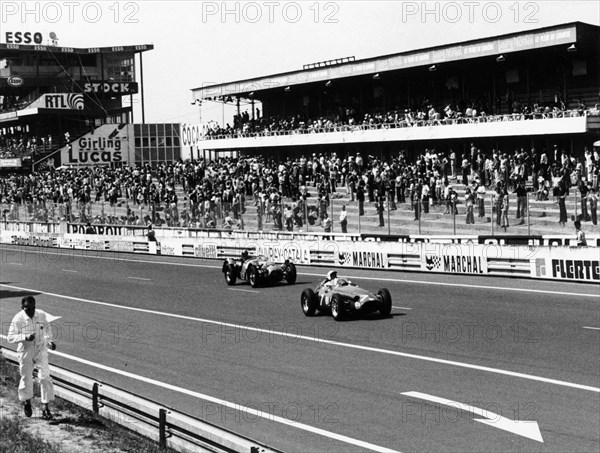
x=309, y=302
x=253, y=277
x=336, y=308
x=385, y=302
x=229, y=274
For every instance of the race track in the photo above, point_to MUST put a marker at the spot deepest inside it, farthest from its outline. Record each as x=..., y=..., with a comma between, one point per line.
x=520, y=356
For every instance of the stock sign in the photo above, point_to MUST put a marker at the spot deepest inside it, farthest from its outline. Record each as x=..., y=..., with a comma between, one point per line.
x=110, y=87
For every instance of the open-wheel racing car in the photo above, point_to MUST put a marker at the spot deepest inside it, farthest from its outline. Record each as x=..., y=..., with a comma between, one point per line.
x=340, y=297
x=258, y=271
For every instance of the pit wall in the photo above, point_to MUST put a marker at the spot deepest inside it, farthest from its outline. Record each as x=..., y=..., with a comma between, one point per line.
x=540, y=257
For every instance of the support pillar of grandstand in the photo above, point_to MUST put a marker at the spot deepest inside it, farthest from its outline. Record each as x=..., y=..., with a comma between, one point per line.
x=141, y=92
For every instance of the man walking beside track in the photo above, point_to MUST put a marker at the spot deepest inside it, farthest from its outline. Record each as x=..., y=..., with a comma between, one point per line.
x=30, y=329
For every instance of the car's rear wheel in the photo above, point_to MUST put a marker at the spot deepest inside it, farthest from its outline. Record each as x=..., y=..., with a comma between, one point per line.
x=291, y=274
x=385, y=302
x=253, y=277
x=229, y=274
x=336, y=308
x=309, y=302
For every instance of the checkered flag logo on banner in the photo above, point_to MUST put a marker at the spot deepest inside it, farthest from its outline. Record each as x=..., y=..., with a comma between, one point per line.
x=344, y=258
x=432, y=262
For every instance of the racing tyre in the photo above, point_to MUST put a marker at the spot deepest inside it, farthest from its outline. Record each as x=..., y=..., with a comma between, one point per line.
x=309, y=302
x=385, y=304
x=253, y=277
x=229, y=274
x=292, y=274
x=336, y=308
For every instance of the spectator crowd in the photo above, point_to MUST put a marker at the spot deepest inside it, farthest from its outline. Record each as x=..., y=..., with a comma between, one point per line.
x=217, y=193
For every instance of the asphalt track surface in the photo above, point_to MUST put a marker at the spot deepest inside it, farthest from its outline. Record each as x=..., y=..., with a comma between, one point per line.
x=520, y=354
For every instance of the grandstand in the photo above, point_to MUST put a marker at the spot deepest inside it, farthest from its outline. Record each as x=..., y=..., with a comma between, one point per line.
x=533, y=89
x=68, y=106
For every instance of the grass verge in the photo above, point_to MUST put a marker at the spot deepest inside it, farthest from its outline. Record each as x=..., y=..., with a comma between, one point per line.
x=73, y=430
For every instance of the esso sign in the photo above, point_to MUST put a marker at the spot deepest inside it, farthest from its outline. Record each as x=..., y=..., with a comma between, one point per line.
x=19, y=37
x=15, y=81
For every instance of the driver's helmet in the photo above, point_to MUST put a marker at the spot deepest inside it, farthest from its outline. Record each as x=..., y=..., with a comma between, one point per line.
x=331, y=275
x=245, y=255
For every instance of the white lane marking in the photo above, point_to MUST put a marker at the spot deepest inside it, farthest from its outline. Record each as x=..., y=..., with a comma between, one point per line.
x=235, y=406
x=244, y=290
x=69, y=270
x=525, y=428
x=591, y=328
x=395, y=280
x=14, y=264
x=401, y=308
x=139, y=278
x=329, y=342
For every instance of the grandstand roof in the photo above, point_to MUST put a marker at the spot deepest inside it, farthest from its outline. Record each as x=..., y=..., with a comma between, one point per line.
x=563, y=34
x=8, y=50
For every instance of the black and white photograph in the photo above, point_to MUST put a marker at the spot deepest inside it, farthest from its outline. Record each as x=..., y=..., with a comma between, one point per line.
x=299, y=226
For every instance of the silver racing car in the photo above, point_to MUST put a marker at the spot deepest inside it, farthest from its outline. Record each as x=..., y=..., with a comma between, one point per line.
x=258, y=271
x=340, y=297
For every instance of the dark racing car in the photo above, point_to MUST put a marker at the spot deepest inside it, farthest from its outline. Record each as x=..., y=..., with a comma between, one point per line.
x=258, y=271
x=340, y=297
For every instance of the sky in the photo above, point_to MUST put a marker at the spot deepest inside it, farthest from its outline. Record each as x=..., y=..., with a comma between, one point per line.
x=197, y=43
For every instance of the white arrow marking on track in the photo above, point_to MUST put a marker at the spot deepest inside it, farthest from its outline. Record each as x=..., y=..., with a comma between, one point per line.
x=529, y=429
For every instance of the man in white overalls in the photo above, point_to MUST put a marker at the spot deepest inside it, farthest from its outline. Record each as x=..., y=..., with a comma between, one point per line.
x=30, y=329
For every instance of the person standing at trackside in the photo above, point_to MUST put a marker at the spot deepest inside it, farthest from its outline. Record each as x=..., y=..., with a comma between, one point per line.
x=89, y=229
x=344, y=219
x=30, y=329
x=581, y=241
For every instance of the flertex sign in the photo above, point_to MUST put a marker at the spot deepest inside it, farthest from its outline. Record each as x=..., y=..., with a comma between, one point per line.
x=103, y=87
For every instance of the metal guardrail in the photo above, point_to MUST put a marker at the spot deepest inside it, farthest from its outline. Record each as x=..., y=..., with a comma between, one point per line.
x=164, y=425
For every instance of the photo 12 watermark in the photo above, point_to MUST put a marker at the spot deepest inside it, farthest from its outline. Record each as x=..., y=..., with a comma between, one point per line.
x=270, y=12
x=29, y=13
x=470, y=12
x=470, y=332
x=307, y=412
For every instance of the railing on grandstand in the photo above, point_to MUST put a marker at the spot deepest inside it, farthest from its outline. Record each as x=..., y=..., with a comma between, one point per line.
x=404, y=123
x=315, y=217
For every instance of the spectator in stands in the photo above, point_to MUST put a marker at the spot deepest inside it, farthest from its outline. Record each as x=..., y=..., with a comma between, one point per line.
x=151, y=234
x=581, y=241
x=469, y=202
x=521, y=194
x=561, y=195
x=592, y=202
x=504, y=211
x=583, y=190
x=344, y=219
x=327, y=225
x=480, y=190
